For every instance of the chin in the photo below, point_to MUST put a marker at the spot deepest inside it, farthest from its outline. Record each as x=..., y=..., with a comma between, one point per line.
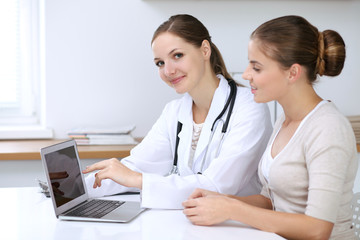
x=180, y=90
x=259, y=100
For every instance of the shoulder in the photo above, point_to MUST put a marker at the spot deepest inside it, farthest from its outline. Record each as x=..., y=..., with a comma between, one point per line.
x=176, y=104
x=328, y=128
x=179, y=109
x=328, y=117
x=244, y=94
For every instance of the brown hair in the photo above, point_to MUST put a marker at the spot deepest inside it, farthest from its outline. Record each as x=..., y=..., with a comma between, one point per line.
x=194, y=32
x=292, y=39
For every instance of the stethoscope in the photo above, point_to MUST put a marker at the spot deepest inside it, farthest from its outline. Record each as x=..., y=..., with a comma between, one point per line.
x=229, y=104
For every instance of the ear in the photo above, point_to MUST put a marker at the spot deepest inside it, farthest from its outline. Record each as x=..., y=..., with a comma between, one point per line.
x=295, y=72
x=206, y=49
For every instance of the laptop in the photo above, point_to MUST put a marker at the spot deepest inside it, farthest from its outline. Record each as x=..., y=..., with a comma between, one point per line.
x=69, y=193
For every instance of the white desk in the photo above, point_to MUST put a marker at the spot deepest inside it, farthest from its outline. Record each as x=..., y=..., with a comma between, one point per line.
x=28, y=214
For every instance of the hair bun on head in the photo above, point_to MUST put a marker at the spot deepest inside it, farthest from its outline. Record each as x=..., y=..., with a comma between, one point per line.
x=334, y=53
x=320, y=64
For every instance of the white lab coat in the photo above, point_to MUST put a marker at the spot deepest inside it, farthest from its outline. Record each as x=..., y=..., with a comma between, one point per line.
x=233, y=171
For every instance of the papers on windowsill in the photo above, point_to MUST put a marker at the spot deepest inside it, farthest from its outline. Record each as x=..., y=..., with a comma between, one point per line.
x=92, y=136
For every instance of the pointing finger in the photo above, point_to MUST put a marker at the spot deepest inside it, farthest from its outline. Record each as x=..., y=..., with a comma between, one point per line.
x=96, y=166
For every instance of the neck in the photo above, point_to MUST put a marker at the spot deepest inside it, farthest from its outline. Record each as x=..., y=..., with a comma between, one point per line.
x=202, y=97
x=298, y=104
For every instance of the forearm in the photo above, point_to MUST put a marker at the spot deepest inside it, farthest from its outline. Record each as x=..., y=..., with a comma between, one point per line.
x=288, y=225
x=255, y=200
x=136, y=180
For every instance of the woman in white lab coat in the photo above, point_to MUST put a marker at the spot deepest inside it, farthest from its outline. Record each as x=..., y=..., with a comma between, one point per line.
x=190, y=63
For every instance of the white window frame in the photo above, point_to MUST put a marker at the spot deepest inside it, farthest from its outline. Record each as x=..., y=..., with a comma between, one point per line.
x=26, y=118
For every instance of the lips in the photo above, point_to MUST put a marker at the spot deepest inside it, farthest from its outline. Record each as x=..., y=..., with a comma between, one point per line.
x=253, y=89
x=174, y=81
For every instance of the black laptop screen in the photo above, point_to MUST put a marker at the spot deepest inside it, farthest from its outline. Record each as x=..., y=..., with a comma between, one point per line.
x=65, y=175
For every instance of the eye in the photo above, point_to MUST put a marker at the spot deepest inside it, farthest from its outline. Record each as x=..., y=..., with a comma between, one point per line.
x=178, y=55
x=256, y=69
x=159, y=63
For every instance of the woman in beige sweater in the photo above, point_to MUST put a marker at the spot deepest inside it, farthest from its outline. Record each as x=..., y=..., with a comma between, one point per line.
x=310, y=163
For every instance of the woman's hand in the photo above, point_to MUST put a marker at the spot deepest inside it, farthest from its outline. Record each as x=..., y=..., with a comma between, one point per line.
x=207, y=208
x=202, y=193
x=115, y=170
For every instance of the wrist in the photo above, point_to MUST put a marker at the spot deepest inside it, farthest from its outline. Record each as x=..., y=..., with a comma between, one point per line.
x=138, y=180
x=231, y=205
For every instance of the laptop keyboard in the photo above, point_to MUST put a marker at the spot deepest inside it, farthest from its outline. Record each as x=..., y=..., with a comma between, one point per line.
x=95, y=208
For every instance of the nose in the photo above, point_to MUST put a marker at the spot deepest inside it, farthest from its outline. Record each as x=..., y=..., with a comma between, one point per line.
x=169, y=69
x=246, y=74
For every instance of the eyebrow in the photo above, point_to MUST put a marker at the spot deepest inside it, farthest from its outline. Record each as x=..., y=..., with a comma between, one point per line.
x=174, y=50
x=255, y=62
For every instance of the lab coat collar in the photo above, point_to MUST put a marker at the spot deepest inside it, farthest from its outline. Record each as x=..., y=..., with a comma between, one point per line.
x=185, y=135
x=186, y=118
x=218, y=102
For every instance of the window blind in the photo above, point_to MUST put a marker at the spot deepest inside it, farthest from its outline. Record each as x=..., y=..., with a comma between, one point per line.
x=19, y=62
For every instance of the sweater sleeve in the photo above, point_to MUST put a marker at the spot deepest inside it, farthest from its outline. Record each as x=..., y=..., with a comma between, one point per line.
x=330, y=159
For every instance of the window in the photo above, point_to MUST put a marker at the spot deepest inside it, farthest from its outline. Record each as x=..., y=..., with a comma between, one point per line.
x=21, y=67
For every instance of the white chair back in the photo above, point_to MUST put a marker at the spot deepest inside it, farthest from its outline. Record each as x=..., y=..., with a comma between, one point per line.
x=355, y=206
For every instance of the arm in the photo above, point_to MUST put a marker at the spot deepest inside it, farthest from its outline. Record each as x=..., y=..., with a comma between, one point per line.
x=113, y=169
x=215, y=208
x=255, y=200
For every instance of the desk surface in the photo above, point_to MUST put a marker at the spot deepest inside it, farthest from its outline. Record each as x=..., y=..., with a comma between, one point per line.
x=30, y=150
x=28, y=214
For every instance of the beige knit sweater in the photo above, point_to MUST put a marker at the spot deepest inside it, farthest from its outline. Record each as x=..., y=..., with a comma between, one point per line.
x=314, y=174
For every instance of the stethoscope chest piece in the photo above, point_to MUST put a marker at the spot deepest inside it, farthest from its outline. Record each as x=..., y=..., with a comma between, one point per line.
x=174, y=170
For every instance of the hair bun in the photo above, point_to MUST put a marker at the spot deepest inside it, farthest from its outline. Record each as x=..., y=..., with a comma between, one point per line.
x=320, y=64
x=334, y=53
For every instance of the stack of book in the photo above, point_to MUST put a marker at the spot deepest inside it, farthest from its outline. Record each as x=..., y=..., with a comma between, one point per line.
x=88, y=136
x=355, y=123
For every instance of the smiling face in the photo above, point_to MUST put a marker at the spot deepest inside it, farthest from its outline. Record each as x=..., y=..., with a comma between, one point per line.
x=181, y=64
x=267, y=80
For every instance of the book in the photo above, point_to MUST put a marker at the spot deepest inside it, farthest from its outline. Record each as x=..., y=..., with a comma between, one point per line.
x=124, y=139
x=101, y=131
x=119, y=136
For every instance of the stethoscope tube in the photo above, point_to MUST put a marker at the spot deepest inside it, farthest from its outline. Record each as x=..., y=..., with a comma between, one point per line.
x=230, y=101
x=232, y=97
x=174, y=169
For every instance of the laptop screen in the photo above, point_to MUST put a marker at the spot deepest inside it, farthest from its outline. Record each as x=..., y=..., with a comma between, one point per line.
x=65, y=175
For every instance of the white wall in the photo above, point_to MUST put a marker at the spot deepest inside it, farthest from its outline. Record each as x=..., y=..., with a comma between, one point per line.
x=99, y=67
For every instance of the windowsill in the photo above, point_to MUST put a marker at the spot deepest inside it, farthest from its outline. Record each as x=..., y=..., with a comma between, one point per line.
x=25, y=132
